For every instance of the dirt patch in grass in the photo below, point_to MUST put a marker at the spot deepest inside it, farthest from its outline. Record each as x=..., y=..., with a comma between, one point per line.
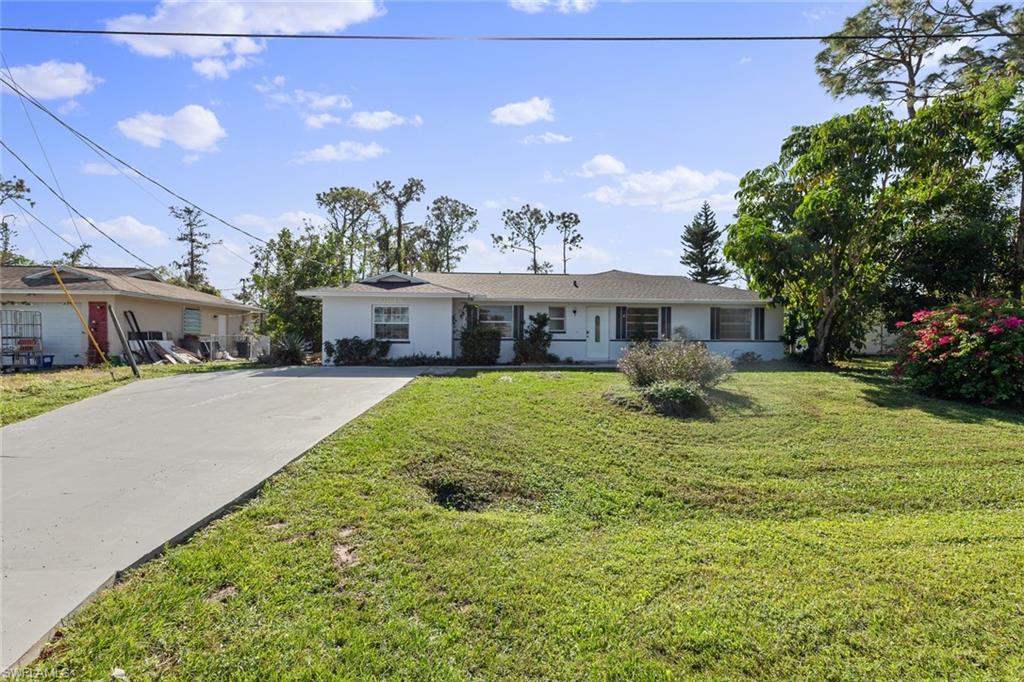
x=460, y=487
x=280, y=523
x=343, y=554
x=221, y=595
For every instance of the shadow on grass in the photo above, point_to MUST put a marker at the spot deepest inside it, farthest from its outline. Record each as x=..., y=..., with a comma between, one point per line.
x=880, y=389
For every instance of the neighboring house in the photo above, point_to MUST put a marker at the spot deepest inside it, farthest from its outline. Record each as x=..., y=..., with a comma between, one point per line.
x=593, y=317
x=157, y=306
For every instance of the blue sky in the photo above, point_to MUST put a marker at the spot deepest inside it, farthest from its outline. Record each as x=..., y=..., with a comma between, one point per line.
x=630, y=136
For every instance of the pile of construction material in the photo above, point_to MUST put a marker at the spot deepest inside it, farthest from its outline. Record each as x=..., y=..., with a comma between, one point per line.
x=172, y=354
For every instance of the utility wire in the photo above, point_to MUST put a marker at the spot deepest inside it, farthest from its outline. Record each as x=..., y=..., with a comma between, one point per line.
x=103, y=151
x=52, y=231
x=234, y=253
x=46, y=156
x=507, y=39
x=68, y=204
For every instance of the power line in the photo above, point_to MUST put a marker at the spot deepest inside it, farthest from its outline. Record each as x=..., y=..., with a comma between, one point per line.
x=68, y=204
x=508, y=39
x=48, y=228
x=100, y=149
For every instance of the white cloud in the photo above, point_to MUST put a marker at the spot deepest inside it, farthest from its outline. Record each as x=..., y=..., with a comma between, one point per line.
x=603, y=164
x=551, y=179
x=214, y=68
x=546, y=138
x=933, y=60
x=189, y=159
x=676, y=189
x=270, y=84
x=233, y=17
x=54, y=80
x=129, y=229
x=521, y=113
x=97, y=168
x=317, y=121
x=192, y=127
x=312, y=106
x=563, y=6
x=380, y=120
x=343, y=151
x=274, y=224
x=745, y=60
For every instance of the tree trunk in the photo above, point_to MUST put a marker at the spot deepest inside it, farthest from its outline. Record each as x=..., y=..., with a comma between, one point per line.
x=1017, y=276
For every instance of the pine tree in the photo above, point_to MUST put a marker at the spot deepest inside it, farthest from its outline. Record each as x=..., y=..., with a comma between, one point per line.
x=197, y=240
x=701, y=248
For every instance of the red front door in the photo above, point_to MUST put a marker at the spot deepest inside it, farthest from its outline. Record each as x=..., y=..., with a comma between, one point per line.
x=98, y=326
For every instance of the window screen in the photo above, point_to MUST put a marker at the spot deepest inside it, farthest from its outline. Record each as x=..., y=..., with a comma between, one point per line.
x=734, y=324
x=499, y=316
x=642, y=323
x=556, y=318
x=391, y=322
x=192, y=321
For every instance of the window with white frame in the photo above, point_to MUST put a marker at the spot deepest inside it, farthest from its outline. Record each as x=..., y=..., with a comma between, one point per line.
x=391, y=322
x=556, y=319
x=734, y=324
x=499, y=316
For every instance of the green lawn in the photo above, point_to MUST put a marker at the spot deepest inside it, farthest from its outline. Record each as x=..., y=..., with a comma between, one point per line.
x=27, y=394
x=824, y=525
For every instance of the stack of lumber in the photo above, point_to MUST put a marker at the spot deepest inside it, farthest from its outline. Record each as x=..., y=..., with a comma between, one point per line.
x=174, y=355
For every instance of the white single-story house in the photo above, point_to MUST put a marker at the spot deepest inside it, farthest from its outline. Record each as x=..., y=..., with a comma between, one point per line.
x=592, y=317
x=156, y=306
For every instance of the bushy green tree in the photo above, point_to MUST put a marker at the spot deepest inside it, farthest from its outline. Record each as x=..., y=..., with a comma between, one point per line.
x=448, y=223
x=814, y=229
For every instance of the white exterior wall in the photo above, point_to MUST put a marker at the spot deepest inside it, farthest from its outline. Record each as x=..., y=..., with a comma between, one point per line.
x=694, y=317
x=430, y=322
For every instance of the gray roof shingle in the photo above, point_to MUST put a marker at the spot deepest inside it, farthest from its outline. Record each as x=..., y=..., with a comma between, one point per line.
x=613, y=285
x=115, y=280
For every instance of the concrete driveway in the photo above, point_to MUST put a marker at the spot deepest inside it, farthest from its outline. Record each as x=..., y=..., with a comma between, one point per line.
x=95, y=487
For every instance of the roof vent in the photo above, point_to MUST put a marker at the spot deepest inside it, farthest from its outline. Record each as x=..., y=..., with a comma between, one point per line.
x=575, y=284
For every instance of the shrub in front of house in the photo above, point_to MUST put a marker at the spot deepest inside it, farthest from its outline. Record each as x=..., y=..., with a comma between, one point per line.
x=533, y=347
x=481, y=345
x=288, y=348
x=356, y=351
x=646, y=363
x=972, y=351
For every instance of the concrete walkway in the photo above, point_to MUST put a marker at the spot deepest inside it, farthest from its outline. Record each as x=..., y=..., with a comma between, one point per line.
x=95, y=487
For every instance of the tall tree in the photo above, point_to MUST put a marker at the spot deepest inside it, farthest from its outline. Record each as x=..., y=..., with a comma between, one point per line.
x=566, y=224
x=448, y=222
x=976, y=59
x=399, y=199
x=523, y=231
x=701, y=243
x=813, y=230
x=884, y=50
x=197, y=242
x=295, y=259
x=350, y=213
x=13, y=189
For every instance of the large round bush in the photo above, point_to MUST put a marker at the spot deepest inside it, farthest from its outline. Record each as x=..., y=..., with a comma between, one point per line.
x=970, y=351
x=645, y=363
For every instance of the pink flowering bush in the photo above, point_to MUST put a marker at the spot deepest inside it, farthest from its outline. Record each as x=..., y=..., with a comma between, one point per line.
x=967, y=351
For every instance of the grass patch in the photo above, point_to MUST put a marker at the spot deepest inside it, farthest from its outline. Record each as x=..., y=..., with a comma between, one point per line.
x=27, y=394
x=824, y=525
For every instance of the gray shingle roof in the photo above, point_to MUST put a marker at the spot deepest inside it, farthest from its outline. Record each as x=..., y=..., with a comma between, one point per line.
x=613, y=285
x=115, y=280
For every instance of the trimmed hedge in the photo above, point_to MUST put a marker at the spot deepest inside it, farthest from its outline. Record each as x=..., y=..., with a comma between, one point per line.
x=481, y=345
